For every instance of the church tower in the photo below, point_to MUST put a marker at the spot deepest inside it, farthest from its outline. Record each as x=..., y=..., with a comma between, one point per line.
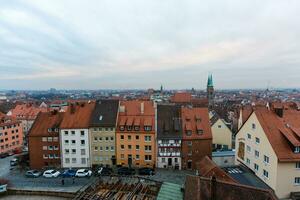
x=210, y=91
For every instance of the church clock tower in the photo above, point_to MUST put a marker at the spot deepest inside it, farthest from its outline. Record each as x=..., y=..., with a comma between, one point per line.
x=210, y=91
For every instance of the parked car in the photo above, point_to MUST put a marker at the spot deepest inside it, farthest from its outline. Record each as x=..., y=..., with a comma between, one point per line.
x=13, y=162
x=83, y=173
x=104, y=171
x=52, y=173
x=69, y=173
x=126, y=171
x=4, y=155
x=33, y=174
x=146, y=171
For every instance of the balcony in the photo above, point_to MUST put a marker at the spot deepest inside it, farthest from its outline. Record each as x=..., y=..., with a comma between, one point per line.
x=169, y=154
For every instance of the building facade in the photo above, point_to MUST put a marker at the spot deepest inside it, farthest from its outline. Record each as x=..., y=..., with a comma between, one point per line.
x=102, y=132
x=74, y=136
x=269, y=144
x=135, y=134
x=11, y=135
x=43, y=141
x=197, y=137
x=169, y=136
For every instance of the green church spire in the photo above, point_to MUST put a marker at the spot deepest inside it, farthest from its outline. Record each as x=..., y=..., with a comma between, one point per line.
x=210, y=81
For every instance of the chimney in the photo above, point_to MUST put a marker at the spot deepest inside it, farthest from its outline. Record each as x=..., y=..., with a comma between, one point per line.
x=142, y=107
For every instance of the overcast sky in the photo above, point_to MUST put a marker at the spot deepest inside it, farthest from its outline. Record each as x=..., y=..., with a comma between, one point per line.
x=97, y=44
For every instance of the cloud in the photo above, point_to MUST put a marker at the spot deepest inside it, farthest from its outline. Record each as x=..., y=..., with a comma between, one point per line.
x=175, y=43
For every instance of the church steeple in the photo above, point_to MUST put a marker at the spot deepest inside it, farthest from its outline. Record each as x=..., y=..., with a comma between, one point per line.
x=210, y=91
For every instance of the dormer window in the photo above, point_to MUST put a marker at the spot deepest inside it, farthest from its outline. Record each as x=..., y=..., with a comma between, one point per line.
x=200, y=131
x=297, y=150
x=122, y=128
x=129, y=128
x=188, y=132
x=136, y=128
x=49, y=130
x=147, y=128
x=100, y=118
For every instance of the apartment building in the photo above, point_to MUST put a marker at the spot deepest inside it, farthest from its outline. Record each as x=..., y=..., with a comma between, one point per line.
x=269, y=144
x=221, y=134
x=74, y=135
x=43, y=141
x=11, y=135
x=196, y=136
x=169, y=136
x=135, y=134
x=102, y=132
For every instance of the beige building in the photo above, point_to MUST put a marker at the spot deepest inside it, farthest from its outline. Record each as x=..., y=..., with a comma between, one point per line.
x=269, y=144
x=102, y=132
x=222, y=135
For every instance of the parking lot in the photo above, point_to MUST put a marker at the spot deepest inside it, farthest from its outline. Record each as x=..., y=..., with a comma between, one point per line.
x=19, y=181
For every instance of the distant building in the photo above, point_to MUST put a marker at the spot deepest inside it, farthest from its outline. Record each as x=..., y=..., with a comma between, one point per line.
x=74, y=135
x=210, y=91
x=102, y=132
x=11, y=134
x=268, y=143
x=197, y=137
x=43, y=141
x=169, y=136
x=135, y=135
x=221, y=134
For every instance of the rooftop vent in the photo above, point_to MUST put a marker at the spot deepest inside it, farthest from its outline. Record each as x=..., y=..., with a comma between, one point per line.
x=100, y=118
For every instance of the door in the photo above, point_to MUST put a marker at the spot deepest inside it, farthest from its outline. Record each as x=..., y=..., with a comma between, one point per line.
x=129, y=160
x=169, y=161
x=189, y=164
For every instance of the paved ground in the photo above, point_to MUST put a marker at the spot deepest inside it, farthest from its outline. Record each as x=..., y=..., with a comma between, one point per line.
x=24, y=197
x=172, y=176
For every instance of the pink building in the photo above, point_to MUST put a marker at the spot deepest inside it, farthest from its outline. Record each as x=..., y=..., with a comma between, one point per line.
x=11, y=135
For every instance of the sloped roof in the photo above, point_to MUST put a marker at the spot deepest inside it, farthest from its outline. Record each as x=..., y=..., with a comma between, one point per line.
x=44, y=121
x=105, y=113
x=181, y=97
x=279, y=131
x=78, y=116
x=168, y=121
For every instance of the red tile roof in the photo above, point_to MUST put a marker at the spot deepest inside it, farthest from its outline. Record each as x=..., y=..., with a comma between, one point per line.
x=189, y=121
x=27, y=111
x=181, y=97
x=45, y=121
x=280, y=132
x=78, y=116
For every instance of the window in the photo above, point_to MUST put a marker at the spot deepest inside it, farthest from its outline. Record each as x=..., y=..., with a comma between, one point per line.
x=256, y=167
x=106, y=148
x=82, y=142
x=256, y=154
x=55, y=147
x=67, y=160
x=73, y=151
x=266, y=173
x=81, y=133
x=95, y=139
x=248, y=161
x=122, y=128
x=122, y=156
x=45, y=156
x=297, y=165
x=137, y=147
x=129, y=147
x=111, y=138
x=189, y=143
x=122, y=147
x=297, y=181
x=44, y=147
x=66, y=141
x=248, y=148
x=219, y=126
x=101, y=148
x=67, y=151
x=95, y=148
x=106, y=129
x=82, y=151
x=129, y=137
x=257, y=140
x=122, y=137
x=148, y=157
x=147, y=128
x=266, y=159
x=163, y=160
x=55, y=139
x=50, y=139
x=176, y=160
x=129, y=128
x=72, y=133
x=148, y=148
x=147, y=138
x=106, y=138
x=66, y=133
x=136, y=128
x=249, y=136
x=137, y=137
x=50, y=156
x=200, y=131
x=74, y=160
x=83, y=160
x=188, y=132
x=137, y=156
x=253, y=126
x=297, y=150
x=50, y=148
x=73, y=142
x=112, y=148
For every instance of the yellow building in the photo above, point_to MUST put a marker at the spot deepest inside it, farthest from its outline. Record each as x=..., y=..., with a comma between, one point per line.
x=222, y=135
x=269, y=144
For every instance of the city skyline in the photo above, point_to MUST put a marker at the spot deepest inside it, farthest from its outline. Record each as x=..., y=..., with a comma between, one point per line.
x=105, y=45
